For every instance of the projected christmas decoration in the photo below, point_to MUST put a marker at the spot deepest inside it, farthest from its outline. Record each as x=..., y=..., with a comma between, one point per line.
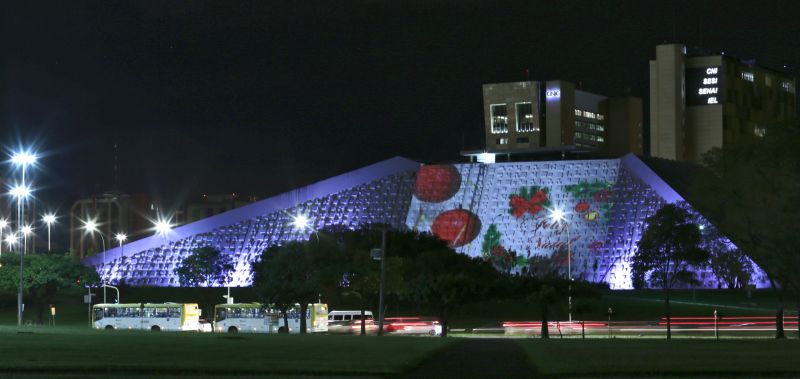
x=500, y=212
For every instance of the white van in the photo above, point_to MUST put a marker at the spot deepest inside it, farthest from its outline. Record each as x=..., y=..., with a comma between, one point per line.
x=349, y=322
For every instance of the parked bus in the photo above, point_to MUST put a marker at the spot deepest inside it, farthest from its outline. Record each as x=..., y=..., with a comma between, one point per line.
x=246, y=318
x=146, y=316
x=258, y=318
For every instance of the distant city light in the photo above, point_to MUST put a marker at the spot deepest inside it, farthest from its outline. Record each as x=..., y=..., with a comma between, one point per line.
x=27, y=230
x=3, y=223
x=11, y=239
x=120, y=237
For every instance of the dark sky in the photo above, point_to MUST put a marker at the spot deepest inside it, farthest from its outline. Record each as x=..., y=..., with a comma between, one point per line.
x=260, y=97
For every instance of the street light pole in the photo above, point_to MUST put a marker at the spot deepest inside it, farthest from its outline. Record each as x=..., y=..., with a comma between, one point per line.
x=49, y=219
x=383, y=270
x=559, y=216
x=91, y=227
x=569, y=274
x=3, y=224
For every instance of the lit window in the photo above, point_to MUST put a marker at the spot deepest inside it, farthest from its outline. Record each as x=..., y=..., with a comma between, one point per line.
x=788, y=86
x=600, y=117
x=748, y=76
x=588, y=114
x=499, y=118
x=759, y=132
x=578, y=112
x=502, y=141
x=525, y=120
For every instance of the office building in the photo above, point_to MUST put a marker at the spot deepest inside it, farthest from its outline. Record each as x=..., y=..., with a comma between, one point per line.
x=533, y=117
x=698, y=102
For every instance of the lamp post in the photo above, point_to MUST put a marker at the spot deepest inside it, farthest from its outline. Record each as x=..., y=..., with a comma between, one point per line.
x=21, y=192
x=559, y=216
x=49, y=219
x=25, y=231
x=3, y=224
x=380, y=254
x=121, y=238
x=90, y=226
x=22, y=159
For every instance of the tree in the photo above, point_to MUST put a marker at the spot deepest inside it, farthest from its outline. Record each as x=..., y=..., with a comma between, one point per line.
x=44, y=275
x=731, y=267
x=362, y=273
x=750, y=191
x=205, y=266
x=668, y=252
x=446, y=280
x=297, y=272
x=274, y=278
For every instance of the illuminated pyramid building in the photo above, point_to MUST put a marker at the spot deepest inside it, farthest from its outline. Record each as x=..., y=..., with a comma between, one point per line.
x=500, y=211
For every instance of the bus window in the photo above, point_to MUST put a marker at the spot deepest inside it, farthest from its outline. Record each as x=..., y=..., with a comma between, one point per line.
x=338, y=317
x=221, y=314
x=98, y=314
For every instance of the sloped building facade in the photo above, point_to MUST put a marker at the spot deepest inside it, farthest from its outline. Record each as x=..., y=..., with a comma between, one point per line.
x=501, y=212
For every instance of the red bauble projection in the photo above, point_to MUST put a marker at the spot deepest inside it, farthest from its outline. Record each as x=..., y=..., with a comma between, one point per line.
x=457, y=226
x=437, y=183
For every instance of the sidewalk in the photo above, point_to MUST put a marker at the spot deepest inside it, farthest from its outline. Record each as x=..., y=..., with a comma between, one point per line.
x=475, y=358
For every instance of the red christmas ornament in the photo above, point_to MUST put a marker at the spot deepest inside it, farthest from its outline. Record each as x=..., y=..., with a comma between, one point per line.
x=581, y=207
x=457, y=226
x=437, y=183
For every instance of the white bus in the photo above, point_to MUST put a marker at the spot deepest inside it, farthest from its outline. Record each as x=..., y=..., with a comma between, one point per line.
x=257, y=318
x=146, y=316
x=246, y=318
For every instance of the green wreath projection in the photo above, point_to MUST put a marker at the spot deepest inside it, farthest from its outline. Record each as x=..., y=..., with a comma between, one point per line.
x=594, y=199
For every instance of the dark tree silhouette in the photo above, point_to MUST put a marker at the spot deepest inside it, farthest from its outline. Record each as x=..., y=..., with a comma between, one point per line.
x=668, y=252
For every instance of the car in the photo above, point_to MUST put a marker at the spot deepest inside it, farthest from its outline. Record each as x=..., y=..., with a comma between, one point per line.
x=413, y=325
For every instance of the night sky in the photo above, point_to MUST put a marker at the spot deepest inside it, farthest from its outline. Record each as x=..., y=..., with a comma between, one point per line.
x=260, y=97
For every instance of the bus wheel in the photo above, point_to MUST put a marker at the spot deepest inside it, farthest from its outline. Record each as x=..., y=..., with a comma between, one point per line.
x=432, y=332
x=233, y=329
x=109, y=327
x=155, y=328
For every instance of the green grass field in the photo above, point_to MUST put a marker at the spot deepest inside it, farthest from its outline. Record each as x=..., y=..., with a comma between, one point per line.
x=66, y=351
x=657, y=358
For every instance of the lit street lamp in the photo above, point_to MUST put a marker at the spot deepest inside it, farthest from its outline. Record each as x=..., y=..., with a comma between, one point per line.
x=559, y=216
x=21, y=192
x=121, y=238
x=22, y=159
x=90, y=226
x=163, y=227
x=49, y=219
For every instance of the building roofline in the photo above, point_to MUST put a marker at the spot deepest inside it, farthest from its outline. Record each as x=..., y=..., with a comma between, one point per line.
x=272, y=204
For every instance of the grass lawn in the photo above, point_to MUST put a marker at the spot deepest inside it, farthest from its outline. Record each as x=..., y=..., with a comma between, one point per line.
x=655, y=358
x=78, y=351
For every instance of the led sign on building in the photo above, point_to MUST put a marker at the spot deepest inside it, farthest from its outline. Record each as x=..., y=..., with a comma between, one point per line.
x=552, y=93
x=703, y=86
